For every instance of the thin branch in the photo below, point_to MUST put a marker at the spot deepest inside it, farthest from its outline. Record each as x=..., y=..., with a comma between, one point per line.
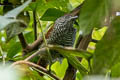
x=35, y=25
x=35, y=44
x=28, y=48
x=43, y=35
x=40, y=51
x=36, y=66
x=38, y=42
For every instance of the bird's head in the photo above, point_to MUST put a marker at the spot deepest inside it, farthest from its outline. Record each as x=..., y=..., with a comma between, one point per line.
x=67, y=19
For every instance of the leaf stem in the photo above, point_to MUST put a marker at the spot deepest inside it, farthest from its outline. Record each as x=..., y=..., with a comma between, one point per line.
x=50, y=57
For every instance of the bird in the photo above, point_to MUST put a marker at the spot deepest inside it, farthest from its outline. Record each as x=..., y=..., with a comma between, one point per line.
x=63, y=34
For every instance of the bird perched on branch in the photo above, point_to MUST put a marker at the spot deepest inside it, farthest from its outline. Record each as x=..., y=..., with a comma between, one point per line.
x=63, y=34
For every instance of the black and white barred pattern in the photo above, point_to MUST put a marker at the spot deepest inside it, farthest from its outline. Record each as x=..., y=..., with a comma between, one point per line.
x=63, y=32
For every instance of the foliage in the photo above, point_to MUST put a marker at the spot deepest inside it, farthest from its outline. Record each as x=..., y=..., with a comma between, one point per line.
x=99, y=61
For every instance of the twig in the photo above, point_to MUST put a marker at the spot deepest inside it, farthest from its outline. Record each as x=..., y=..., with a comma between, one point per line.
x=43, y=35
x=35, y=25
x=40, y=51
x=36, y=66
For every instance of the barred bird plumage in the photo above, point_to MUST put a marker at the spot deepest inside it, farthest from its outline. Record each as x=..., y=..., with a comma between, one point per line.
x=63, y=34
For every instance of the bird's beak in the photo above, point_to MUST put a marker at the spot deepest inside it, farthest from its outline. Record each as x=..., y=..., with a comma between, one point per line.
x=74, y=17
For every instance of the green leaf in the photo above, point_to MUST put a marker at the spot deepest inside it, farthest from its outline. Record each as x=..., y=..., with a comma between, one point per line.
x=107, y=52
x=59, y=4
x=14, y=13
x=52, y=14
x=29, y=36
x=71, y=51
x=76, y=63
x=115, y=71
x=14, y=29
x=92, y=14
x=6, y=22
x=14, y=48
x=43, y=5
x=60, y=68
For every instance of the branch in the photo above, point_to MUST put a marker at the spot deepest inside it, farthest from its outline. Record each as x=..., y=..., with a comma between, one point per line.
x=35, y=25
x=23, y=43
x=40, y=51
x=28, y=48
x=36, y=66
x=36, y=43
x=22, y=40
